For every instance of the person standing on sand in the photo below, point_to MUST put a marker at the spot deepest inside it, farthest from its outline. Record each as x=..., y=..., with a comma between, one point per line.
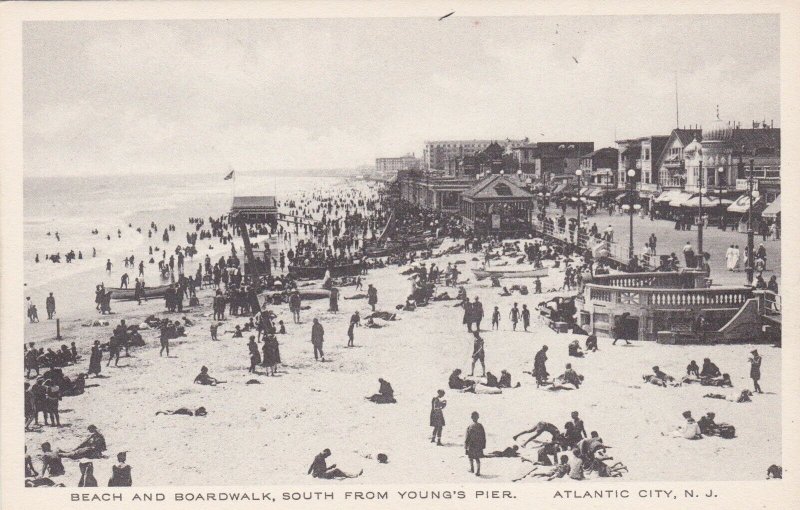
x=526, y=317
x=355, y=320
x=477, y=313
x=50, y=306
x=108, y=266
x=514, y=315
x=478, y=353
x=334, y=300
x=474, y=444
x=317, y=339
x=372, y=296
x=755, y=370
x=496, y=318
x=437, y=417
x=539, y=368
x=95, y=359
x=294, y=306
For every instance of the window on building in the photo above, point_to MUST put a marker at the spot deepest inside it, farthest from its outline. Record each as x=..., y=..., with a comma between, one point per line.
x=647, y=154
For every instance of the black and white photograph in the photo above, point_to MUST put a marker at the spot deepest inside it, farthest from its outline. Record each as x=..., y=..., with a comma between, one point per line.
x=325, y=252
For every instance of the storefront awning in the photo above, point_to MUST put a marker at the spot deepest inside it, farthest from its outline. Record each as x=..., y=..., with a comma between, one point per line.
x=595, y=192
x=584, y=191
x=679, y=199
x=708, y=201
x=560, y=188
x=621, y=196
x=772, y=209
x=668, y=195
x=742, y=204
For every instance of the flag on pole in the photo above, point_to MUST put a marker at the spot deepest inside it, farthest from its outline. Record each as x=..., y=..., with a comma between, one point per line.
x=229, y=176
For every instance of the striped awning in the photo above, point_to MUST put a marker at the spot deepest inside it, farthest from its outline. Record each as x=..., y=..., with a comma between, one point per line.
x=742, y=204
x=772, y=209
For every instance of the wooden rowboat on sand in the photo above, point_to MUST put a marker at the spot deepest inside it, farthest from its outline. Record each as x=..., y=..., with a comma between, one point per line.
x=482, y=274
x=129, y=294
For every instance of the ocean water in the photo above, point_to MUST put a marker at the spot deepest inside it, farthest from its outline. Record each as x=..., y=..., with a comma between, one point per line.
x=74, y=206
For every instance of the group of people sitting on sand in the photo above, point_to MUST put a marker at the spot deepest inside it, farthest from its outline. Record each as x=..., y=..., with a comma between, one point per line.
x=708, y=375
x=705, y=426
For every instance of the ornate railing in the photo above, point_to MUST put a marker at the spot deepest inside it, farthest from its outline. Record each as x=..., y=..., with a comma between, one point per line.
x=663, y=280
x=721, y=297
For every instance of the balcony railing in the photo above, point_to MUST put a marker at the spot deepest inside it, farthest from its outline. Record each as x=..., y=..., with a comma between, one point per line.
x=723, y=297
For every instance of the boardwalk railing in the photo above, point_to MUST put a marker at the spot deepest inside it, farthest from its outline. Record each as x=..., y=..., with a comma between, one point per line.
x=584, y=240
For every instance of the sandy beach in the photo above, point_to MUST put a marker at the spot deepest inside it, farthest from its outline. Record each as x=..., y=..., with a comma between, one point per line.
x=270, y=432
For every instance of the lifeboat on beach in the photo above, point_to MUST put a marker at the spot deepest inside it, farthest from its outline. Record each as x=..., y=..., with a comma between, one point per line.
x=130, y=294
x=482, y=274
x=318, y=272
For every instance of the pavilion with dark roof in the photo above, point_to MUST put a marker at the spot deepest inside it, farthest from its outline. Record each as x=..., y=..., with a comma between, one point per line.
x=496, y=203
x=255, y=209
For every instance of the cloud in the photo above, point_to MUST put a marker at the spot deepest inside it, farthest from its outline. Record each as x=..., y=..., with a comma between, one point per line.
x=195, y=96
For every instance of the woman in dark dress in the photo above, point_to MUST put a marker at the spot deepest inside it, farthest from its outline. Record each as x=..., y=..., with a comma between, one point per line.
x=273, y=352
x=120, y=473
x=95, y=359
x=437, y=417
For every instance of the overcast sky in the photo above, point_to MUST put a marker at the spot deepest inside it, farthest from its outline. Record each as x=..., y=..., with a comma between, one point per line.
x=200, y=96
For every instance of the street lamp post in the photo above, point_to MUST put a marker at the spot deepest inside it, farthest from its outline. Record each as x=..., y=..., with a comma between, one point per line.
x=579, y=173
x=631, y=174
x=700, y=218
x=720, y=170
x=749, y=263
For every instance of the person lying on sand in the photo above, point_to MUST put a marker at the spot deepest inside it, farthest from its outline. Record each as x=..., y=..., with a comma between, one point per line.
x=319, y=468
x=511, y=451
x=722, y=382
x=385, y=394
x=560, y=470
x=659, y=378
x=370, y=323
x=205, y=379
x=356, y=296
x=200, y=411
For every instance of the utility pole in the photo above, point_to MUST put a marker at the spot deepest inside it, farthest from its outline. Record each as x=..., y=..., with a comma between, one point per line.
x=748, y=269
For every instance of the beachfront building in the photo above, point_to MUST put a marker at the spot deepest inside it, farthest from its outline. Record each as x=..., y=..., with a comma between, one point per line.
x=669, y=166
x=385, y=166
x=640, y=154
x=255, y=209
x=433, y=190
x=599, y=168
x=495, y=204
x=545, y=161
x=438, y=154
